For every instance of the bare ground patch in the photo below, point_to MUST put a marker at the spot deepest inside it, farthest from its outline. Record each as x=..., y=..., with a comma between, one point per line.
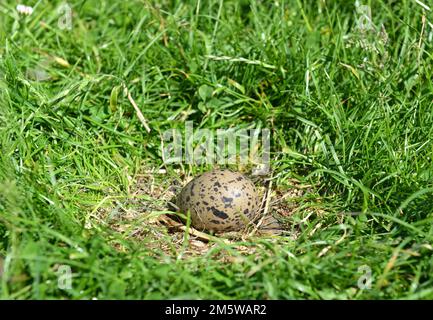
x=147, y=212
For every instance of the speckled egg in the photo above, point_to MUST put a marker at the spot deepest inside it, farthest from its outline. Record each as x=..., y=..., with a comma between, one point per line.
x=219, y=200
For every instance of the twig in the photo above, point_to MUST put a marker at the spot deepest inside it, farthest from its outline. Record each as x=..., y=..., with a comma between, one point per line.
x=266, y=209
x=137, y=109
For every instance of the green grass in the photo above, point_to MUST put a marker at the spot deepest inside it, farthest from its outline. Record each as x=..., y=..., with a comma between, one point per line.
x=350, y=113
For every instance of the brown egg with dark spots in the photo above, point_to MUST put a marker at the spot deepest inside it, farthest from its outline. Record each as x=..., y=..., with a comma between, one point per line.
x=219, y=200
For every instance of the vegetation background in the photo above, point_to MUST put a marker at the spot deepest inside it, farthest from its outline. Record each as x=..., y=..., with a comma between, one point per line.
x=348, y=100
